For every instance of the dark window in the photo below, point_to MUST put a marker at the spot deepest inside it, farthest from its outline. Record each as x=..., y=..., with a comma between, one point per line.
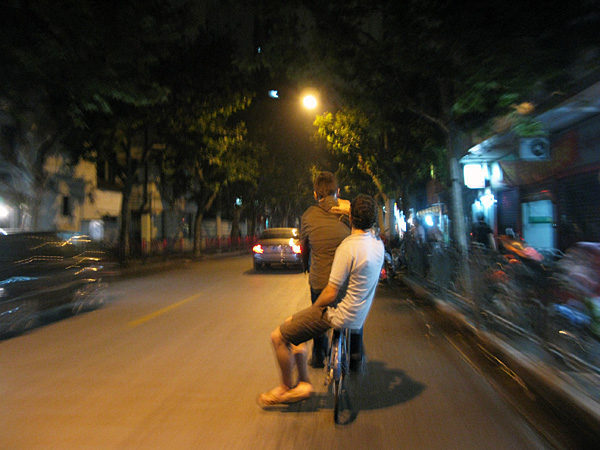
x=66, y=206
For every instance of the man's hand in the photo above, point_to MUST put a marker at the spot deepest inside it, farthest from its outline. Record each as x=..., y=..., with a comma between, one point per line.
x=328, y=295
x=343, y=207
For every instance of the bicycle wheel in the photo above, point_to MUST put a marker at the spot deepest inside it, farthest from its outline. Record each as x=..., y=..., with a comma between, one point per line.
x=337, y=394
x=338, y=376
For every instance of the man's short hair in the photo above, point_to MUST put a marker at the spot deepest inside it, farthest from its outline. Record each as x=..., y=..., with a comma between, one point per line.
x=363, y=212
x=325, y=184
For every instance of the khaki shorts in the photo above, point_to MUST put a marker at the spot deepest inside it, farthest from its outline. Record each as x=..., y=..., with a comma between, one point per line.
x=305, y=325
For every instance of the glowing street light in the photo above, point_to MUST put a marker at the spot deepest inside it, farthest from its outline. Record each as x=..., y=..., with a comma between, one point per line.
x=310, y=101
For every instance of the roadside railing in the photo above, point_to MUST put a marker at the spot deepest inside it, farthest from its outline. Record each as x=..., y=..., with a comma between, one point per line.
x=517, y=301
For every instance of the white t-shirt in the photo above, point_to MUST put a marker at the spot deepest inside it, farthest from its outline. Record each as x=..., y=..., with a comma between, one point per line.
x=355, y=270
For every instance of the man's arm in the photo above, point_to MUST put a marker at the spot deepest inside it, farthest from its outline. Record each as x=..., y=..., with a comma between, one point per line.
x=328, y=295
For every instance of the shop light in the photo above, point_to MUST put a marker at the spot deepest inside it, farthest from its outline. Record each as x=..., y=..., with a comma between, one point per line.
x=496, y=176
x=4, y=211
x=475, y=175
x=488, y=200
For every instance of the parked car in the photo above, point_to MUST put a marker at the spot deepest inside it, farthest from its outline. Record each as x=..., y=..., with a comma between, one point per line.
x=41, y=273
x=278, y=246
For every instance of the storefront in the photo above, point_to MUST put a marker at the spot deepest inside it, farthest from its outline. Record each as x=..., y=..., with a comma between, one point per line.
x=545, y=189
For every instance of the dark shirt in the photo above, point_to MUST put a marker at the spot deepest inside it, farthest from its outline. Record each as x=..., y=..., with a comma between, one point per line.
x=482, y=233
x=322, y=232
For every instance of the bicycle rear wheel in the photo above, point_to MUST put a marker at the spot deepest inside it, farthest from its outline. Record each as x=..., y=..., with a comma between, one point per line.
x=337, y=397
x=338, y=376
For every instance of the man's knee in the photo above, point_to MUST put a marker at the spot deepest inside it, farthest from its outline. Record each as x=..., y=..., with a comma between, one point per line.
x=277, y=338
x=298, y=349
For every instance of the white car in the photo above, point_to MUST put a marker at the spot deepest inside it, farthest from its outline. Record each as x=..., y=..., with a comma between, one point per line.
x=278, y=246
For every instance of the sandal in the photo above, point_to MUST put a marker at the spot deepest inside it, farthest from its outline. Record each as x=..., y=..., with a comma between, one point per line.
x=272, y=397
x=276, y=397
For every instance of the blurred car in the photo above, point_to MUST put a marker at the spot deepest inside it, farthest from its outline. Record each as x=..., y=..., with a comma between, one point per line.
x=278, y=246
x=94, y=253
x=41, y=273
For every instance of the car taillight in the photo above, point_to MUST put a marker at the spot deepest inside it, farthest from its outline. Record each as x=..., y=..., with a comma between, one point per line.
x=257, y=249
x=296, y=248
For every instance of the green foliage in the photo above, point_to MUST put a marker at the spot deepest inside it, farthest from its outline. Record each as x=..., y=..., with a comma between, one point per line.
x=385, y=158
x=528, y=127
x=436, y=59
x=410, y=77
x=206, y=142
x=85, y=56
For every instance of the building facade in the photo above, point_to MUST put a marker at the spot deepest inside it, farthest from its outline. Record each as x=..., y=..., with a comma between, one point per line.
x=544, y=188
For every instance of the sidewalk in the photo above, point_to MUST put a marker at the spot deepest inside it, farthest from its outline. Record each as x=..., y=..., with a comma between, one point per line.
x=556, y=386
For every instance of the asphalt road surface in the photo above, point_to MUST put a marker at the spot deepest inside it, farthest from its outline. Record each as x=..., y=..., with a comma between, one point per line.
x=176, y=360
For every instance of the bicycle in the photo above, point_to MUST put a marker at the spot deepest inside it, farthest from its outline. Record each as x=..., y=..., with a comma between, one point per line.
x=337, y=367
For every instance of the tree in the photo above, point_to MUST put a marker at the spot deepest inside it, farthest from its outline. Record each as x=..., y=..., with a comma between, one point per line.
x=392, y=161
x=206, y=141
x=66, y=67
x=283, y=130
x=453, y=65
x=217, y=156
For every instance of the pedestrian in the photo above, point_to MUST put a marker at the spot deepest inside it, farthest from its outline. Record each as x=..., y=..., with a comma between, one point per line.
x=321, y=231
x=434, y=234
x=353, y=280
x=418, y=231
x=483, y=233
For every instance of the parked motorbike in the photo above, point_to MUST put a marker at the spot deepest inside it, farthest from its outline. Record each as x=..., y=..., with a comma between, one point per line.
x=518, y=285
x=392, y=261
x=575, y=314
x=388, y=272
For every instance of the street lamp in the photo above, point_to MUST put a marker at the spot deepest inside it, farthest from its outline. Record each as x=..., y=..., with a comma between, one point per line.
x=309, y=101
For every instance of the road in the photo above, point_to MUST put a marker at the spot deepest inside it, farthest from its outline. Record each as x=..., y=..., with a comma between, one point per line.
x=177, y=359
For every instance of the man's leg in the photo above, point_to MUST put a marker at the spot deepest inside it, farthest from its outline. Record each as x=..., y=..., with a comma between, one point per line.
x=301, y=327
x=300, y=352
x=356, y=350
x=288, y=356
x=285, y=359
x=319, y=350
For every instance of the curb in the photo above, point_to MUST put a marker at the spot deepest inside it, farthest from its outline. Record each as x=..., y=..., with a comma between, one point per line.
x=571, y=402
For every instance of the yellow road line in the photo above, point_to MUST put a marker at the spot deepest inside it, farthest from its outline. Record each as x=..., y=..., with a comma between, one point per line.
x=160, y=312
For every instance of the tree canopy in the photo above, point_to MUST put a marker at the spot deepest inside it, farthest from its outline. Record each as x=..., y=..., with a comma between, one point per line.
x=454, y=65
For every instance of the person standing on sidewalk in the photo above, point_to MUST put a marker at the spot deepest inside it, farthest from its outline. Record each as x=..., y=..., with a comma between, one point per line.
x=323, y=227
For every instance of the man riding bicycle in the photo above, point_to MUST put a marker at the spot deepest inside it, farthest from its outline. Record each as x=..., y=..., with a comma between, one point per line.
x=354, y=276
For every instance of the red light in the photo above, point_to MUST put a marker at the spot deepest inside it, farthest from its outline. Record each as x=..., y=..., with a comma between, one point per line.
x=257, y=249
x=296, y=248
